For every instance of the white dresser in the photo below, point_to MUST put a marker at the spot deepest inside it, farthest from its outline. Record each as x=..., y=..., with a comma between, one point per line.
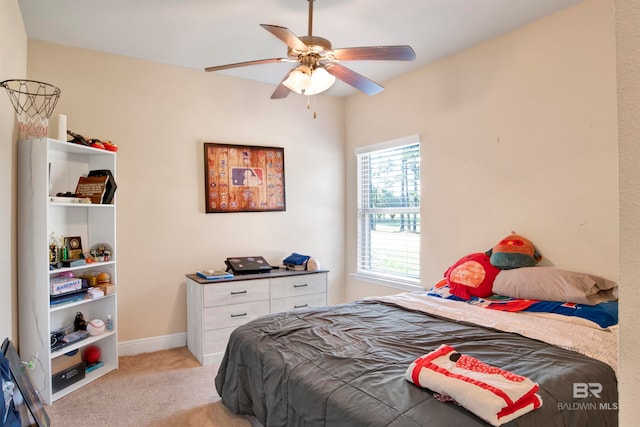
x=216, y=308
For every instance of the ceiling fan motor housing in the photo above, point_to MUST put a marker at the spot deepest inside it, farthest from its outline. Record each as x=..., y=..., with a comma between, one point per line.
x=315, y=44
x=318, y=47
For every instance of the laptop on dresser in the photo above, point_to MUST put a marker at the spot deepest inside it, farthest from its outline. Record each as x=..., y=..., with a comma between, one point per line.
x=247, y=265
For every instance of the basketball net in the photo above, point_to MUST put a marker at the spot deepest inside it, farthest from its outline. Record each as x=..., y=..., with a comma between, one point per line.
x=34, y=102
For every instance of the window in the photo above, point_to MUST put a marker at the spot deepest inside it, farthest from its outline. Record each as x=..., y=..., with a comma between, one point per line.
x=389, y=211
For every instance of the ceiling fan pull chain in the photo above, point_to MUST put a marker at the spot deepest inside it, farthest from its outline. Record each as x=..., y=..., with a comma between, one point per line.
x=315, y=114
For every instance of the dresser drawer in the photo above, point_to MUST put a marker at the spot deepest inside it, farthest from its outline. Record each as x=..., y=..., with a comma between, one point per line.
x=233, y=315
x=297, y=302
x=215, y=340
x=304, y=284
x=236, y=292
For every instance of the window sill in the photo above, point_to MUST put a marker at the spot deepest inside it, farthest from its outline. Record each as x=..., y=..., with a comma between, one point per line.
x=405, y=285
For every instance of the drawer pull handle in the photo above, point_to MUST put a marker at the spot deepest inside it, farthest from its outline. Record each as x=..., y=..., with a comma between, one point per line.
x=300, y=306
x=239, y=315
x=238, y=293
x=300, y=286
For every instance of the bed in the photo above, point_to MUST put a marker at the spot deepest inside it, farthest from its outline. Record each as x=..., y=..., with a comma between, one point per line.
x=345, y=365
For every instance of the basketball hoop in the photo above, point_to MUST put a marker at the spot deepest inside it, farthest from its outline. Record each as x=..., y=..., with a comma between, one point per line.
x=34, y=102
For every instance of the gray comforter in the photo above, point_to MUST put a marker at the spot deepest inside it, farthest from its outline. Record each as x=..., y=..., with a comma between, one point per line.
x=344, y=365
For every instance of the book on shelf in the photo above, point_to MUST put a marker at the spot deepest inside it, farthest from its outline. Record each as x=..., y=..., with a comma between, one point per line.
x=63, y=285
x=296, y=262
x=214, y=274
x=295, y=267
x=69, y=339
x=93, y=366
x=95, y=293
x=74, y=262
x=67, y=298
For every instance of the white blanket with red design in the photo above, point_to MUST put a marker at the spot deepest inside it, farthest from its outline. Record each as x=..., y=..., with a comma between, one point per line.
x=495, y=395
x=601, y=344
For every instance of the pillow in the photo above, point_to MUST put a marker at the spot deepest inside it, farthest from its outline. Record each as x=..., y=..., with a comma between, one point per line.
x=514, y=251
x=552, y=284
x=471, y=275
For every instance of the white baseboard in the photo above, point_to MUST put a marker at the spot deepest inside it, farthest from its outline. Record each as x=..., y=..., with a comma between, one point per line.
x=148, y=345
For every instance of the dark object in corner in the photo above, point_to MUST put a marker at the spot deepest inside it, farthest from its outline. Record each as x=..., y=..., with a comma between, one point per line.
x=23, y=381
x=67, y=377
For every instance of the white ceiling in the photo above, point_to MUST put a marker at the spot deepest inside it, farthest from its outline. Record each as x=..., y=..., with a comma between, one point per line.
x=201, y=33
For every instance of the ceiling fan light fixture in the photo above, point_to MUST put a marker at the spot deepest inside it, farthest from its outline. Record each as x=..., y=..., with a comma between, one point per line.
x=306, y=81
x=321, y=80
x=299, y=79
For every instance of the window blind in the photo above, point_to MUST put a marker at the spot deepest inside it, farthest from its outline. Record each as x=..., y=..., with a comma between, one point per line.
x=389, y=209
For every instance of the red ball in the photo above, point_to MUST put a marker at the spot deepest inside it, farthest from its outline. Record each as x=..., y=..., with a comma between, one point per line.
x=91, y=354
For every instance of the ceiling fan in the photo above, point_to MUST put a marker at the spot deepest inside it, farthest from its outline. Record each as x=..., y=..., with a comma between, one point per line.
x=319, y=64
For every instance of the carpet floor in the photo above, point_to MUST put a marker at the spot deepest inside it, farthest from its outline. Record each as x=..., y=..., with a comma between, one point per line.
x=162, y=389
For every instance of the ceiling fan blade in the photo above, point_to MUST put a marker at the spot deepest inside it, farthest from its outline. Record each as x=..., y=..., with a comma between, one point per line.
x=244, y=64
x=384, y=53
x=282, y=91
x=287, y=37
x=354, y=79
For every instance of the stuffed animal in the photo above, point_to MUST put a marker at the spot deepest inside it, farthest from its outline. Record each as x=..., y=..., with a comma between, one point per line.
x=514, y=251
x=472, y=275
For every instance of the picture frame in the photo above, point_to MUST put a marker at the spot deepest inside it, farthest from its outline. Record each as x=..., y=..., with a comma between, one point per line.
x=92, y=187
x=243, y=178
x=74, y=247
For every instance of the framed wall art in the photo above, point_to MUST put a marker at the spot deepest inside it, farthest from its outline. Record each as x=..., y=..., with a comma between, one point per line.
x=243, y=178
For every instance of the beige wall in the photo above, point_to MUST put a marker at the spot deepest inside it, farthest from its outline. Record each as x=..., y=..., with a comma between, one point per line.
x=160, y=115
x=13, y=65
x=628, y=71
x=518, y=133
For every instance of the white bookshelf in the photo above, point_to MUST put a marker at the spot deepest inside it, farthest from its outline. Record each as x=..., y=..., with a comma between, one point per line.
x=47, y=167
